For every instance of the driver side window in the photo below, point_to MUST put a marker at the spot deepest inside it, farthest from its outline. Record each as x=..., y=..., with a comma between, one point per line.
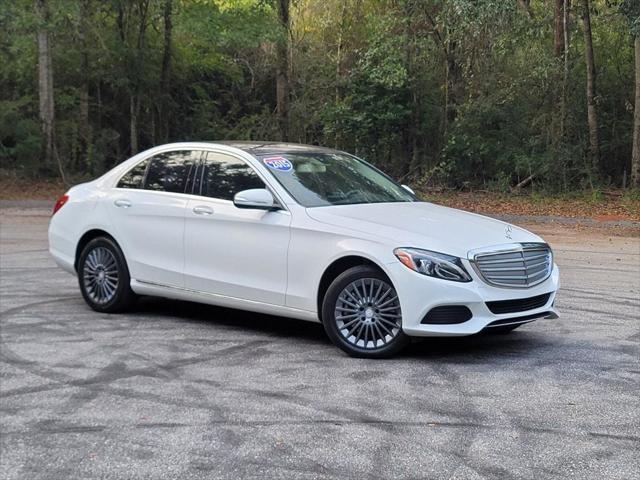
x=222, y=176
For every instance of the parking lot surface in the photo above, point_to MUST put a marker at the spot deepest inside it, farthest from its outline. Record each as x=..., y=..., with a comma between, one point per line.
x=180, y=390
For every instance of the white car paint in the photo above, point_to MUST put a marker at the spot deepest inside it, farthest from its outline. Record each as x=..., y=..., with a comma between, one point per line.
x=236, y=250
x=273, y=261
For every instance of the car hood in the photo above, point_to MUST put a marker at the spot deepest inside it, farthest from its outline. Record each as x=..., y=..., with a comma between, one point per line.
x=423, y=225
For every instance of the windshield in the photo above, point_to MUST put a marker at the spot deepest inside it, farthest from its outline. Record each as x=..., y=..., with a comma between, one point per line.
x=318, y=179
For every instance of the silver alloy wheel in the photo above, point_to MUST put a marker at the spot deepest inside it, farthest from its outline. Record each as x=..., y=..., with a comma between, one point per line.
x=368, y=313
x=100, y=275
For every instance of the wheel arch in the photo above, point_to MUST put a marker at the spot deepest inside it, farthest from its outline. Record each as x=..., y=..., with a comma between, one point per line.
x=339, y=266
x=86, y=238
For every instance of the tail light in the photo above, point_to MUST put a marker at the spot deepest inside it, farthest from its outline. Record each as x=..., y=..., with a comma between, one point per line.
x=60, y=203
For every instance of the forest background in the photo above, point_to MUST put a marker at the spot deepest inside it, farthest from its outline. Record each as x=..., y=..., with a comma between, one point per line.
x=528, y=97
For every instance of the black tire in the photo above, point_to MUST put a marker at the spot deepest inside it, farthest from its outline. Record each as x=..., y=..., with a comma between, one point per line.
x=105, y=255
x=375, y=323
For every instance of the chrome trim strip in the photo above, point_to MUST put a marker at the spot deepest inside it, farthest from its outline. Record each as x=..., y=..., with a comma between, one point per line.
x=522, y=322
x=213, y=148
x=218, y=295
x=550, y=316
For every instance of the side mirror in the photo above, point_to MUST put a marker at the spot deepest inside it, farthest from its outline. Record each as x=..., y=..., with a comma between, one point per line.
x=408, y=189
x=259, y=198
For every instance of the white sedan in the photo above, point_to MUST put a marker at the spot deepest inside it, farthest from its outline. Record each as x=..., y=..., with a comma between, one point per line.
x=298, y=231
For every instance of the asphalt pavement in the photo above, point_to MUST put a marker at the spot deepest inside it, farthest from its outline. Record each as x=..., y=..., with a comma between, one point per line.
x=180, y=390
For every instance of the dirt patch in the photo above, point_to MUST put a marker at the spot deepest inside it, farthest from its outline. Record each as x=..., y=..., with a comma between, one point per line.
x=604, y=207
x=18, y=189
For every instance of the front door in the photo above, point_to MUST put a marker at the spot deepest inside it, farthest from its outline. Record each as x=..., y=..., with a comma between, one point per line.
x=229, y=251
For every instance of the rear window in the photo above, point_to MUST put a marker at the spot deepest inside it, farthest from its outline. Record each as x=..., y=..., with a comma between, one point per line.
x=165, y=172
x=169, y=171
x=134, y=177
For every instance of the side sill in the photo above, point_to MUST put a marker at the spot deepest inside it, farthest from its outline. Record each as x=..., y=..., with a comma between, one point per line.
x=181, y=293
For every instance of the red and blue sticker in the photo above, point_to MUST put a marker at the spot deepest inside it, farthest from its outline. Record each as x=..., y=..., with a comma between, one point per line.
x=278, y=163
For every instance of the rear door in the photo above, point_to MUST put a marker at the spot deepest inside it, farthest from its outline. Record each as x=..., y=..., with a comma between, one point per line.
x=147, y=208
x=229, y=251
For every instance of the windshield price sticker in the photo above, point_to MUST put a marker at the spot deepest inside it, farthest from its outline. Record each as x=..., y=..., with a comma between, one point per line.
x=278, y=163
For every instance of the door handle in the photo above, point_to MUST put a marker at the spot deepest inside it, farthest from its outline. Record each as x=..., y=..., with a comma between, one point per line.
x=122, y=203
x=202, y=210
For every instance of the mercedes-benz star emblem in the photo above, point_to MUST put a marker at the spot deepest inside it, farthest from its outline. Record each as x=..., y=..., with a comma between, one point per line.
x=507, y=231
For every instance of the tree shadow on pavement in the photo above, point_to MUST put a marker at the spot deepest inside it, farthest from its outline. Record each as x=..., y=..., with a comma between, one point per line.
x=464, y=349
x=232, y=318
x=477, y=347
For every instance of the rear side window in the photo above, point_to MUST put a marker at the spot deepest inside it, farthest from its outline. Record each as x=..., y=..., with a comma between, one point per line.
x=224, y=176
x=134, y=177
x=168, y=172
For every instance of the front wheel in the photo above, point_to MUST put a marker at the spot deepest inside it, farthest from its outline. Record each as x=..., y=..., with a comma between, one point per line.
x=361, y=314
x=104, y=277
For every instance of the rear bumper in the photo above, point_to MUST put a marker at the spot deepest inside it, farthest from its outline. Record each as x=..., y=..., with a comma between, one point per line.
x=61, y=249
x=419, y=294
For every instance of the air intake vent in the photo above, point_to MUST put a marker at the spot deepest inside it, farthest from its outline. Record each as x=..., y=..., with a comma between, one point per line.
x=447, y=315
x=518, y=305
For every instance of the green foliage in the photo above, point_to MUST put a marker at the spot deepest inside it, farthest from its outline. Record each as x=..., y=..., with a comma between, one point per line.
x=631, y=9
x=20, y=148
x=465, y=93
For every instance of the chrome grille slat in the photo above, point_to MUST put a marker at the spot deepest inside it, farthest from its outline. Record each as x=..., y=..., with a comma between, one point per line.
x=503, y=269
x=511, y=277
x=534, y=265
x=510, y=260
x=535, y=257
x=514, y=265
x=534, y=271
x=540, y=275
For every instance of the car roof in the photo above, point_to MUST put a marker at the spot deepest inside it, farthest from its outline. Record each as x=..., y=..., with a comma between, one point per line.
x=271, y=148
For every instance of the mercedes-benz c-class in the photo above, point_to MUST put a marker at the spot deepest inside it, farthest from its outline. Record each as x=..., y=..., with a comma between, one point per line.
x=298, y=231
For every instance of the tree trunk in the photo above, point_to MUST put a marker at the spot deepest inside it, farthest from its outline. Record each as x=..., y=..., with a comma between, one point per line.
x=565, y=76
x=337, y=136
x=413, y=129
x=165, y=75
x=339, y=50
x=133, y=124
x=635, y=157
x=84, y=127
x=283, y=83
x=526, y=6
x=558, y=30
x=592, y=117
x=453, y=87
x=45, y=83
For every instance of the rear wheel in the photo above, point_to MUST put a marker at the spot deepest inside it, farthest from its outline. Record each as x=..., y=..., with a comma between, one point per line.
x=361, y=314
x=104, y=277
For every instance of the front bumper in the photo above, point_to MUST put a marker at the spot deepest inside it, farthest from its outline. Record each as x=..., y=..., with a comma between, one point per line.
x=419, y=293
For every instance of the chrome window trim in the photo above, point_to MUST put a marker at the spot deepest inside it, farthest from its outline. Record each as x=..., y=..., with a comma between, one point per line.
x=203, y=148
x=506, y=248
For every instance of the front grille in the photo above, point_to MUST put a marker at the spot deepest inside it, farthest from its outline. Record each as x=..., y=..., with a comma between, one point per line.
x=447, y=315
x=518, y=305
x=517, y=266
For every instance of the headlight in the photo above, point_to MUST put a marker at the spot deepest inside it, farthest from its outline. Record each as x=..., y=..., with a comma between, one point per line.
x=433, y=264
